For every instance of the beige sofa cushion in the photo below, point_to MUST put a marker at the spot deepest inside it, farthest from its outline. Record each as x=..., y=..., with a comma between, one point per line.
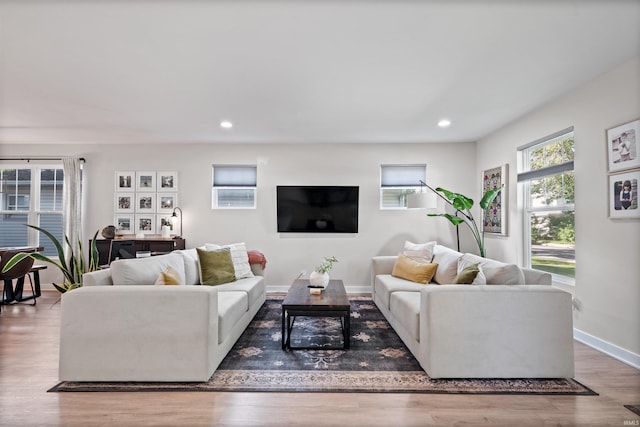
x=386, y=284
x=231, y=307
x=248, y=285
x=145, y=271
x=406, y=307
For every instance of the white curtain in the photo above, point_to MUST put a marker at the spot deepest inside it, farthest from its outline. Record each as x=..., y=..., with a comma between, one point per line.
x=72, y=201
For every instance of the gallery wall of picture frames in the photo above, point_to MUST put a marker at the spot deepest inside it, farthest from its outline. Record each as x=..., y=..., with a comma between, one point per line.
x=144, y=201
x=624, y=170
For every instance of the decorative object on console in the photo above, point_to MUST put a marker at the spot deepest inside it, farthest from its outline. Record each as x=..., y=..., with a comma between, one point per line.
x=71, y=270
x=494, y=216
x=320, y=276
x=463, y=204
x=109, y=232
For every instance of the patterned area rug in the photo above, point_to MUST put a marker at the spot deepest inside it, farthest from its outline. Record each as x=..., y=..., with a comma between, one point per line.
x=378, y=361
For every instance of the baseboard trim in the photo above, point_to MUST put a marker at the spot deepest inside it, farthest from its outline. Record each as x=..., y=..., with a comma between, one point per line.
x=607, y=348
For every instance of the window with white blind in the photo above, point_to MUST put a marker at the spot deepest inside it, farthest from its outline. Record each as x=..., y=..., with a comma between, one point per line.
x=397, y=182
x=234, y=187
x=546, y=178
x=30, y=195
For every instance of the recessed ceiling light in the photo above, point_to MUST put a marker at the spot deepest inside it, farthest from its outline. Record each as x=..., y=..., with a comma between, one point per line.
x=226, y=124
x=444, y=123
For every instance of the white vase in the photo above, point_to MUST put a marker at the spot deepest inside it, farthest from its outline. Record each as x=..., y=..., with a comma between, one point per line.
x=319, y=279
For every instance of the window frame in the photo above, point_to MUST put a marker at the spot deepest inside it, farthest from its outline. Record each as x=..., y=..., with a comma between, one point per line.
x=404, y=187
x=526, y=177
x=215, y=189
x=35, y=212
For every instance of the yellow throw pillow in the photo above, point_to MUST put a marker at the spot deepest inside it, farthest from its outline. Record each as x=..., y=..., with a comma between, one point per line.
x=467, y=275
x=216, y=267
x=168, y=277
x=415, y=271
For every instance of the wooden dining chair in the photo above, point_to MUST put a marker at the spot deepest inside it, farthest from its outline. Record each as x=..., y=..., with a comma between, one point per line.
x=19, y=272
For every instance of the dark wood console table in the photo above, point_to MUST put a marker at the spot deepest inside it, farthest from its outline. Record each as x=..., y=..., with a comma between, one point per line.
x=153, y=243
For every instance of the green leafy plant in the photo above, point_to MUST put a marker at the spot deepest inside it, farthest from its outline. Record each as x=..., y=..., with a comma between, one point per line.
x=71, y=270
x=326, y=265
x=463, y=204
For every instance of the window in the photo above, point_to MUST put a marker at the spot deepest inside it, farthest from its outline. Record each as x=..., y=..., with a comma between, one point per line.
x=30, y=195
x=234, y=187
x=397, y=182
x=549, y=215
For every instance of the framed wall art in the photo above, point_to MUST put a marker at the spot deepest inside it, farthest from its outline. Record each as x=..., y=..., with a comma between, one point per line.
x=623, y=195
x=124, y=224
x=494, y=218
x=145, y=202
x=125, y=181
x=125, y=202
x=167, y=181
x=622, y=146
x=167, y=202
x=145, y=224
x=146, y=181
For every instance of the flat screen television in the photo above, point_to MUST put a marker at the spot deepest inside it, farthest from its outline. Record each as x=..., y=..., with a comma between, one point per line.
x=317, y=209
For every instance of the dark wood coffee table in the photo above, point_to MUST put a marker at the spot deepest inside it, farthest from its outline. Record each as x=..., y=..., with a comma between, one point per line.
x=331, y=302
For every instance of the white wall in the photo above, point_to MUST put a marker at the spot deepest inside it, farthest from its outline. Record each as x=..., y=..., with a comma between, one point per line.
x=380, y=232
x=607, y=285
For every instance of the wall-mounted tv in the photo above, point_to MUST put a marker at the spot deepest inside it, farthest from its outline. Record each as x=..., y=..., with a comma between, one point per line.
x=317, y=209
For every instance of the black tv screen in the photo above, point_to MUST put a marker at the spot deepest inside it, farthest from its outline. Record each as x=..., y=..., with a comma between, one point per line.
x=317, y=209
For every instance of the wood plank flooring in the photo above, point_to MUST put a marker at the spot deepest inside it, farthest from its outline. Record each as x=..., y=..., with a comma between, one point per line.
x=29, y=366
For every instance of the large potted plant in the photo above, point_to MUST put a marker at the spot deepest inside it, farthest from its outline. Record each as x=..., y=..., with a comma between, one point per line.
x=463, y=205
x=71, y=270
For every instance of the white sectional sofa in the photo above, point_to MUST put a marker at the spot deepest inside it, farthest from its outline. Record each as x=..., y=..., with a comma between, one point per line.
x=119, y=328
x=519, y=330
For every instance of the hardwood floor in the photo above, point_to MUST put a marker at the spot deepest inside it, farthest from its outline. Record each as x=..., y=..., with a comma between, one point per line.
x=29, y=365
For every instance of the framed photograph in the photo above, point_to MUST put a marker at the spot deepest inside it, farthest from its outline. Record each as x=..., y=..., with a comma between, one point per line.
x=623, y=195
x=125, y=181
x=146, y=181
x=622, y=146
x=124, y=224
x=125, y=202
x=166, y=202
x=145, y=202
x=164, y=220
x=145, y=224
x=494, y=218
x=167, y=181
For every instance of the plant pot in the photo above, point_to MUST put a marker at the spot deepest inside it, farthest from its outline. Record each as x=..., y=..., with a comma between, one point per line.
x=319, y=279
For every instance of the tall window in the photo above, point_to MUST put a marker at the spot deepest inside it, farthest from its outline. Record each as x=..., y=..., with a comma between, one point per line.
x=397, y=182
x=30, y=195
x=549, y=215
x=234, y=187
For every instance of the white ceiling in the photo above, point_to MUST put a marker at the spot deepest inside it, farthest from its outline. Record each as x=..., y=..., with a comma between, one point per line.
x=295, y=71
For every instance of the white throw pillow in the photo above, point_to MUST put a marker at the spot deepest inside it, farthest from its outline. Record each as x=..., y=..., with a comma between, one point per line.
x=424, y=251
x=447, y=260
x=239, y=257
x=495, y=272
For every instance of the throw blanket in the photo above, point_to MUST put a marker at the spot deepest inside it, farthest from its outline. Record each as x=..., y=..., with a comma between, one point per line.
x=257, y=257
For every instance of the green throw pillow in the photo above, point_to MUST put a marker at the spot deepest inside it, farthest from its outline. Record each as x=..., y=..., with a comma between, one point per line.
x=466, y=276
x=216, y=267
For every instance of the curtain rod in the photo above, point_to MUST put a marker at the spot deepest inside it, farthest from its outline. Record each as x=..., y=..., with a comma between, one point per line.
x=28, y=159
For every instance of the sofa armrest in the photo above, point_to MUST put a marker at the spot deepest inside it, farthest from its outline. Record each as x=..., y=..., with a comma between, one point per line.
x=138, y=333
x=382, y=265
x=521, y=331
x=97, y=278
x=536, y=277
x=257, y=269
